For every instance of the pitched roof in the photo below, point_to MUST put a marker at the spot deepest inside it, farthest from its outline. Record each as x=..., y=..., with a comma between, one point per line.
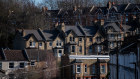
x=51, y=34
x=37, y=55
x=103, y=9
x=15, y=55
x=130, y=7
x=29, y=32
x=117, y=26
x=76, y=29
x=90, y=30
x=121, y=7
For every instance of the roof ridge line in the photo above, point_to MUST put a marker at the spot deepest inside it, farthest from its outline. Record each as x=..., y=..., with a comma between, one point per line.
x=42, y=34
x=80, y=27
x=127, y=6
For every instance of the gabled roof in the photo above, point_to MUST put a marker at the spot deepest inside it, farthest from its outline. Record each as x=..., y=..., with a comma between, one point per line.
x=51, y=34
x=76, y=29
x=37, y=33
x=90, y=30
x=15, y=55
x=115, y=8
x=130, y=7
x=95, y=9
x=121, y=7
x=117, y=26
x=87, y=10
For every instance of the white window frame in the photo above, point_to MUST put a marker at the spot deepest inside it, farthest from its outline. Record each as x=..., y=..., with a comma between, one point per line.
x=32, y=44
x=103, y=70
x=99, y=48
x=13, y=65
x=59, y=54
x=78, y=67
x=58, y=43
x=32, y=64
x=23, y=65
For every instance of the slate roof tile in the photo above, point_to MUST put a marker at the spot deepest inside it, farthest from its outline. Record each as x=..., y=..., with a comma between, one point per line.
x=15, y=55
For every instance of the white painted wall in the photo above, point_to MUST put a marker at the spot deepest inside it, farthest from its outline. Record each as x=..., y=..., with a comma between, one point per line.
x=5, y=66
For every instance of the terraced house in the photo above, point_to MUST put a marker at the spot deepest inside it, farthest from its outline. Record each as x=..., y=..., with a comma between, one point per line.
x=85, y=42
x=76, y=40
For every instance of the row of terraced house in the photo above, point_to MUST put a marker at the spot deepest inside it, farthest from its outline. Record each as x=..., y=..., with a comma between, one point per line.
x=81, y=39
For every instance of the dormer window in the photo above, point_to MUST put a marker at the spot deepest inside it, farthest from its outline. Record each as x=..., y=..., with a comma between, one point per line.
x=58, y=43
x=32, y=44
x=72, y=39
